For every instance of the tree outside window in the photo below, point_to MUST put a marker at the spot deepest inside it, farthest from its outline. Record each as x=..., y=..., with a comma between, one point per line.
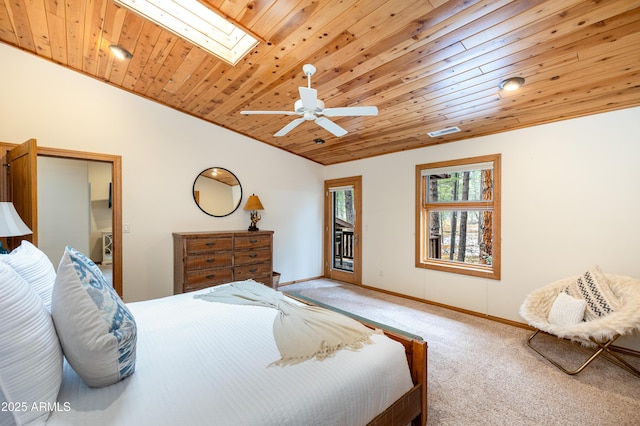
x=458, y=216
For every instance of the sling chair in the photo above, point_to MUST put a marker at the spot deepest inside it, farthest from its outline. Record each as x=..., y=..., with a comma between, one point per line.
x=598, y=333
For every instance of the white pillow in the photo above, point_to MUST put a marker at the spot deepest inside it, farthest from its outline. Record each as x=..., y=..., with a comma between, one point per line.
x=567, y=310
x=35, y=267
x=97, y=331
x=30, y=354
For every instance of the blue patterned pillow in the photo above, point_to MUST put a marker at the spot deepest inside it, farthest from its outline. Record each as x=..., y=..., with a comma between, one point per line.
x=96, y=329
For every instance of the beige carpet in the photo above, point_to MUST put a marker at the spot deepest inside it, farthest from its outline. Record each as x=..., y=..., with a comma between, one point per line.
x=107, y=273
x=482, y=372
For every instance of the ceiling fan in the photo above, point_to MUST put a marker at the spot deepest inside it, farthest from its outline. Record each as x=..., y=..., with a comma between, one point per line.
x=309, y=107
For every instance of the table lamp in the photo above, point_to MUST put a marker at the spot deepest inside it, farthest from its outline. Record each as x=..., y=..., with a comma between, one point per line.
x=11, y=225
x=254, y=204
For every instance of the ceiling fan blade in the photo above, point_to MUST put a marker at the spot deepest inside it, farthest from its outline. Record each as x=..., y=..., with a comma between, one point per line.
x=289, y=127
x=350, y=111
x=269, y=112
x=309, y=98
x=330, y=126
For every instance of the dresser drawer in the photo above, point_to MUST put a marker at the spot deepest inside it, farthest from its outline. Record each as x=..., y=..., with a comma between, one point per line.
x=264, y=279
x=248, y=242
x=252, y=256
x=209, y=260
x=207, y=277
x=199, y=286
x=200, y=245
x=251, y=271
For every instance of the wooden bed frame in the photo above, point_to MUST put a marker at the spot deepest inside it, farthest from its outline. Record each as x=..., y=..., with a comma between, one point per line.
x=412, y=406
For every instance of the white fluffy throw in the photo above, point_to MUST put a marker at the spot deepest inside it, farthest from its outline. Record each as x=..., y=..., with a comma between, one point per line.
x=625, y=320
x=301, y=332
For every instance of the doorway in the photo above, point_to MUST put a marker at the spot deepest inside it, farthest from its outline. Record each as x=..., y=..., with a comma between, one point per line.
x=342, y=230
x=73, y=208
x=113, y=200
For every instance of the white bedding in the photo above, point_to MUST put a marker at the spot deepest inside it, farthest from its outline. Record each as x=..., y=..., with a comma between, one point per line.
x=203, y=363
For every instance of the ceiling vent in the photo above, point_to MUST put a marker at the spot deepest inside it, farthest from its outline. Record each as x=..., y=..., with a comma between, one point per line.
x=443, y=132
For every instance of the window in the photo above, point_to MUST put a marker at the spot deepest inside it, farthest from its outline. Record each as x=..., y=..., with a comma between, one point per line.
x=458, y=216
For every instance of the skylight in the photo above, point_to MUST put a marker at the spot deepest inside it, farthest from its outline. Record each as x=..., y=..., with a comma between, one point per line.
x=198, y=24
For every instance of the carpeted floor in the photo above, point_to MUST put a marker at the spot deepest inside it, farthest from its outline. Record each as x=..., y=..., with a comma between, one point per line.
x=482, y=372
x=107, y=273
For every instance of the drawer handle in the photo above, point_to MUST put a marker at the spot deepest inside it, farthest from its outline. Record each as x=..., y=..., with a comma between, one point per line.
x=253, y=255
x=211, y=276
x=210, y=244
x=253, y=241
x=210, y=260
x=253, y=270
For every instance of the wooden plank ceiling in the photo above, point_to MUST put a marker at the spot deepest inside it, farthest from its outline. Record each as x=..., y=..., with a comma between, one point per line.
x=426, y=64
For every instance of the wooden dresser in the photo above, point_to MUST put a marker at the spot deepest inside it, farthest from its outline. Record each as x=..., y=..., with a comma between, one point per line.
x=204, y=259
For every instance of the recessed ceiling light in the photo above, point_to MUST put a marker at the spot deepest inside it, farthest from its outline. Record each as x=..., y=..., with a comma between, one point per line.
x=120, y=52
x=319, y=141
x=513, y=83
x=198, y=24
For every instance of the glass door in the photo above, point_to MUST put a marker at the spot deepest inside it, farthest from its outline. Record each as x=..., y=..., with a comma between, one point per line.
x=343, y=218
x=342, y=229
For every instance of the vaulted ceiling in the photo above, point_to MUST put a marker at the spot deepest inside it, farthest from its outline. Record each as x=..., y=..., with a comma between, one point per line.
x=426, y=64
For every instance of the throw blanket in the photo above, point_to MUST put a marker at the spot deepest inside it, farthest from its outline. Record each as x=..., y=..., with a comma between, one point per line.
x=301, y=332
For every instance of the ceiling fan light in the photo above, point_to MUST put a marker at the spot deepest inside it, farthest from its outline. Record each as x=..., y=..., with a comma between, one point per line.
x=510, y=84
x=310, y=108
x=120, y=52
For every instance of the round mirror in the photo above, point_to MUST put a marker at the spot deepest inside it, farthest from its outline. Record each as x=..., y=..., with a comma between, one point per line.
x=217, y=191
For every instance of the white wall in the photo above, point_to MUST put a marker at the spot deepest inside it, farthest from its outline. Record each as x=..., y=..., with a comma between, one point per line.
x=64, y=209
x=569, y=201
x=162, y=153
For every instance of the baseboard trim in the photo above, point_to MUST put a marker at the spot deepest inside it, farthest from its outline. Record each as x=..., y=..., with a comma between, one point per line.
x=522, y=325
x=452, y=308
x=299, y=281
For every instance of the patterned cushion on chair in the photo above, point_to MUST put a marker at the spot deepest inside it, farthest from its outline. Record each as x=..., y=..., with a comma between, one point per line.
x=594, y=288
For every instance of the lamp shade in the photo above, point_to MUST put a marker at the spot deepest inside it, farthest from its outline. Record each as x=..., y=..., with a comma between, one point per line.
x=253, y=203
x=11, y=225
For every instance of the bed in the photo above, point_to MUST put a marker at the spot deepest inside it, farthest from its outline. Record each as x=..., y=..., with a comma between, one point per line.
x=202, y=363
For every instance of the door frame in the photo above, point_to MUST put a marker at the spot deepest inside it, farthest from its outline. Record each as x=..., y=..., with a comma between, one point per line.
x=354, y=277
x=116, y=200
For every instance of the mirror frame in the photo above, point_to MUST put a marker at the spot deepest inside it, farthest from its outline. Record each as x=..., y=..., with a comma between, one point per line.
x=193, y=192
